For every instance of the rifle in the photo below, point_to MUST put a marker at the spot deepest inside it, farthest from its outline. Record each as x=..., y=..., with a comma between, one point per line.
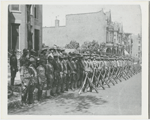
x=103, y=76
x=86, y=75
x=112, y=74
x=117, y=73
x=98, y=79
x=91, y=81
x=108, y=78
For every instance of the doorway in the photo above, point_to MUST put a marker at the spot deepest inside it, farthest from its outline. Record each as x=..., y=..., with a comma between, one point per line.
x=15, y=36
x=36, y=39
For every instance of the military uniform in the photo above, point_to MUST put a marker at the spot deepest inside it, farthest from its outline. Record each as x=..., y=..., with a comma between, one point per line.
x=80, y=71
x=50, y=75
x=70, y=69
x=99, y=73
x=33, y=82
x=85, y=74
x=61, y=74
x=24, y=75
x=106, y=73
x=13, y=67
x=57, y=70
x=73, y=74
x=42, y=80
x=65, y=72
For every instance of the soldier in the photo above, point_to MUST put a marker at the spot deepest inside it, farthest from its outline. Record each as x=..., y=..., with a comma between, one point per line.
x=41, y=77
x=43, y=56
x=33, y=80
x=13, y=66
x=24, y=75
x=91, y=74
x=76, y=71
x=117, y=69
x=32, y=54
x=50, y=75
x=93, y=69
x=24, y=58
x=106, y=71
x=80, y=69
x=57, y=69
x=102, y=71
x=99, y=73
x=61, y=73
x=70, y=70
x=123, y=75
x=110, y=67
x=113, y=68
x=86, y=70
x=65, y=72
x=73, y=73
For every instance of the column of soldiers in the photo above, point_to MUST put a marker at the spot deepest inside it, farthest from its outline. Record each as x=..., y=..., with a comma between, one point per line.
x=56, y=72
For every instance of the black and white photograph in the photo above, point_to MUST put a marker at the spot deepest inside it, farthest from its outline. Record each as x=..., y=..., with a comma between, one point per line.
x=74, y=59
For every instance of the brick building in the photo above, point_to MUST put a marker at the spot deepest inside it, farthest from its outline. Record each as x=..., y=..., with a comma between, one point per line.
x=79, y=27
x=24, y=27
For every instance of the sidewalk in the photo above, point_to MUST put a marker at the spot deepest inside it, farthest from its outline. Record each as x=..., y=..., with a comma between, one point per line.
x=14, y=100
x=17, y=78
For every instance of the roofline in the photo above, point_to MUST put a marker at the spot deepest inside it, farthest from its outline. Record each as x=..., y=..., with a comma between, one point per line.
x=128, y=33
x=53, y=27
x=84, y=13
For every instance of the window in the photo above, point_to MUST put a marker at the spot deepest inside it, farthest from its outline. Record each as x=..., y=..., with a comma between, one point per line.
x=31, y=10
x=15, y=36
x=35, y=11
x=15, y=8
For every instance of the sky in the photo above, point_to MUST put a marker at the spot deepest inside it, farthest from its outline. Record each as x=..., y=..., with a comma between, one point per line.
x=128, y=15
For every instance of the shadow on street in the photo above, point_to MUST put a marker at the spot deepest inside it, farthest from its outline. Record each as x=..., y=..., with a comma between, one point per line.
x=81, y=103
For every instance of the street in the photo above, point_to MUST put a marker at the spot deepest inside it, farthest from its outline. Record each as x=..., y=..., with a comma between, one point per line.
x=122, y=99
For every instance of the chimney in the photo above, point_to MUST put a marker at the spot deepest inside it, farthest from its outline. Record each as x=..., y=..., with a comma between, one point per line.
x=56, y=23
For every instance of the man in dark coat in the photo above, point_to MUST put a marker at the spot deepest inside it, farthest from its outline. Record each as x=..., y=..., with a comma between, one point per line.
x=13, y=67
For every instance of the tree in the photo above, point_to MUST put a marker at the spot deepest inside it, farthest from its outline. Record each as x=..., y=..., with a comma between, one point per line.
x=72, y=45
x=91, y=46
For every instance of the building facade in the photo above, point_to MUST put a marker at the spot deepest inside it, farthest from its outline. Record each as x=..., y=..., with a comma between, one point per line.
x=24, y=27
x=79, y=27
x=137, y=47
x=83, y=27
x=140, y=47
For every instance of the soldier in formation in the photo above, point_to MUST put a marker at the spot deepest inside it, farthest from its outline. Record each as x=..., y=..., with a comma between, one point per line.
x=56, y=72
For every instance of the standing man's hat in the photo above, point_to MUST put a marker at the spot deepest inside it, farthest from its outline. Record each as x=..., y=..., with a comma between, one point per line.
x=25, y=50
x=43, y=50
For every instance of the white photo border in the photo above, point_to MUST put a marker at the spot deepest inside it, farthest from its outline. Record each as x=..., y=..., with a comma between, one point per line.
x=4, y=55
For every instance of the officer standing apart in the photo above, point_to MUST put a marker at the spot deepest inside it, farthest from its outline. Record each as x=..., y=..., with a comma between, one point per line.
x=13, y=67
